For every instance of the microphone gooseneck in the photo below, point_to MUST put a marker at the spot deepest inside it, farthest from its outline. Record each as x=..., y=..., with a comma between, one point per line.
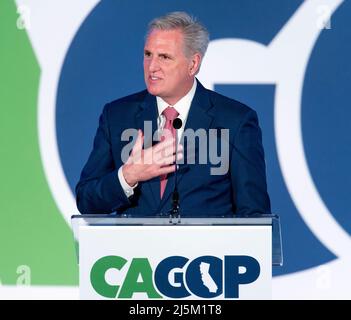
x=174, y=212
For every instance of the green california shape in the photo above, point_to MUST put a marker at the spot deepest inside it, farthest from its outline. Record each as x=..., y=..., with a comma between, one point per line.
x=34, y=237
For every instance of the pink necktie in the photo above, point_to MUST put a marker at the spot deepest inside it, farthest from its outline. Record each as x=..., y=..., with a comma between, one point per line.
x=170, y=113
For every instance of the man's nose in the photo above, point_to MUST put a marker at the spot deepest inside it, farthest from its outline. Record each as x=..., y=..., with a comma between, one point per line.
x=154, y=64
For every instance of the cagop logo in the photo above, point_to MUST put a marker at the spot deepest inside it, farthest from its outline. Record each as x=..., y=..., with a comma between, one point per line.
x=176, y=277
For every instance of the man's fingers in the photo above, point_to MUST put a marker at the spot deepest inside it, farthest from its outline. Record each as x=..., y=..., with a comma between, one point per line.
x=166, y=170
x=161, y=154
x=170, y=159
x=168, y=150
x=164, y=144
x=160, y=159
x=166, y=134
x=179, y=155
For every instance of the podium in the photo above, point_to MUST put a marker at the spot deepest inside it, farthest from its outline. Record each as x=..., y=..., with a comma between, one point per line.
x=124, y=257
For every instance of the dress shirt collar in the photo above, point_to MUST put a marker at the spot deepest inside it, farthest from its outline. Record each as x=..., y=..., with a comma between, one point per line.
x=182, y=106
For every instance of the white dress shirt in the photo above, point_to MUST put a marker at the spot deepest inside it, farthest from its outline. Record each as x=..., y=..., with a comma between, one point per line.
x=183, y=107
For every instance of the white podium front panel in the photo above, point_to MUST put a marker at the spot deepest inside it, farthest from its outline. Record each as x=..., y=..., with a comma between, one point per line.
x=175, y=262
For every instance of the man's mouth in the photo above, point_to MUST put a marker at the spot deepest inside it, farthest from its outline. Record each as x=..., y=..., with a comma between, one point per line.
x=153, y=78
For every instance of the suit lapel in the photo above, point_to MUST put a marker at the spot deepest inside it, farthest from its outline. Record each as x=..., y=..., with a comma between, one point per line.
x=148, y=112
x=199, y=117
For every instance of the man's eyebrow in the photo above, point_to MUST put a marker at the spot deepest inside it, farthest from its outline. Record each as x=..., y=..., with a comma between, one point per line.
x=160, y=54
x=165, y=54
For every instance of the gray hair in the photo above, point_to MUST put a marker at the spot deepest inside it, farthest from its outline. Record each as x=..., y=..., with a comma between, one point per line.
x=196, y=36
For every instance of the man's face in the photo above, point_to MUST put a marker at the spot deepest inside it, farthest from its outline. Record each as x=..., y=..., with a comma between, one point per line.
x=168, y=72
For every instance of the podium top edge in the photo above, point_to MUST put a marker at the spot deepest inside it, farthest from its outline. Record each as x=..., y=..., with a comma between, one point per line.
x=164, y=220
x=117, y=216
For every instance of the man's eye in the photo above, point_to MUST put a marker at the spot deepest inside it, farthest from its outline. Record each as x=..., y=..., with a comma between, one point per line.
x=147, y=54
x=164, y=57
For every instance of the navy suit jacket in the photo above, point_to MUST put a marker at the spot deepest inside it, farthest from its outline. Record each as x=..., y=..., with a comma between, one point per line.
x=242, y=190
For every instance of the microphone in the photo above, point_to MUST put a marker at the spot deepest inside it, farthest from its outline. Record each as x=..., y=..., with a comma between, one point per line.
x=177, y=123
x=174, y=212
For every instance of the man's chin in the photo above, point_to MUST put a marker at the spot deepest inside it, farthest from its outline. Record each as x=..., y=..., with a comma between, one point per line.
x=153, y=91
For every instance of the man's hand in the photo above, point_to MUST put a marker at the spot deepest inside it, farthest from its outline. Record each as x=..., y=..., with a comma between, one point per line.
x=145, y=164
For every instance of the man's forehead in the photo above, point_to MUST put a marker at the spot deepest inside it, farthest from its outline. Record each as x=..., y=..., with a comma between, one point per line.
x=164, y=38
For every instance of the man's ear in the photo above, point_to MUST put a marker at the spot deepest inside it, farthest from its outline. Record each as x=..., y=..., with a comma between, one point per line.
x=195, y=64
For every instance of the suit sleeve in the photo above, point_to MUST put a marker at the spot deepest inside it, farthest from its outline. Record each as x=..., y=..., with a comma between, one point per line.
x=99, y=190
x=248, y=169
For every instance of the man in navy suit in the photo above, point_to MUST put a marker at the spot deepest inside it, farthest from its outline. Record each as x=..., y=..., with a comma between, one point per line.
x=142, y=184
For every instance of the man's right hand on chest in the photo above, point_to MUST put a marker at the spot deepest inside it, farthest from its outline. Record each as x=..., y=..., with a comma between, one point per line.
x=145, y=164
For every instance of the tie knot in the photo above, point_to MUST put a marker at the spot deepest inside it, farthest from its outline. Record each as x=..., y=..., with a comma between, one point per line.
x=170, y=113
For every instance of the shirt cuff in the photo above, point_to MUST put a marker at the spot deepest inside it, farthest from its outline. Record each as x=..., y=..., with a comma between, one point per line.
x=128, y=190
